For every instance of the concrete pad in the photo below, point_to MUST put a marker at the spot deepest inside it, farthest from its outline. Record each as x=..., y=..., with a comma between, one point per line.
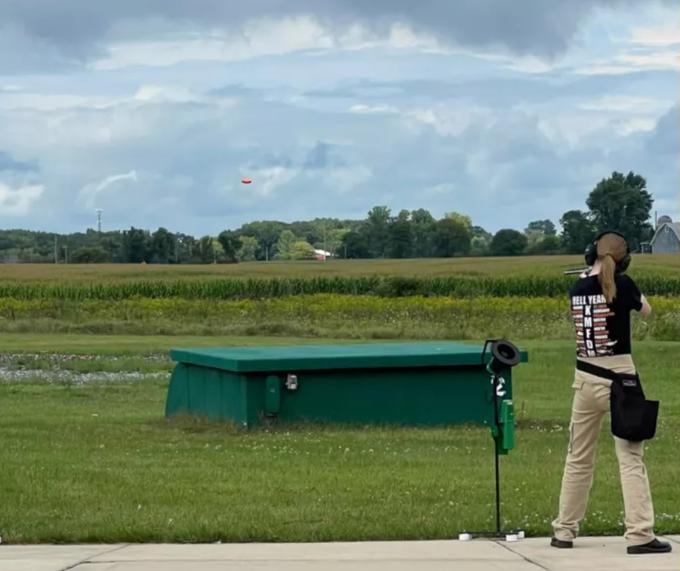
x=48, y=557
x=600, y=553
x=412, y=565
x=535, y=554
x=340, y=551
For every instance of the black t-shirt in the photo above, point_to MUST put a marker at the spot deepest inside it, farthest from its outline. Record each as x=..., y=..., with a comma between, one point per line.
x=602, y=328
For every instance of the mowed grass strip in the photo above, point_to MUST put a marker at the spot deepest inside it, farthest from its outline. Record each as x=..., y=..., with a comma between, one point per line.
x=99, y=463
x=324, y=316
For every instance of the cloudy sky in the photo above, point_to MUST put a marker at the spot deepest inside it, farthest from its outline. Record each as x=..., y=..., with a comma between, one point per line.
x=153, y=110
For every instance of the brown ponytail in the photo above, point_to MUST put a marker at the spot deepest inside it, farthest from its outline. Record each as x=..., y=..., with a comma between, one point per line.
x=611, y=248
x=606, y=277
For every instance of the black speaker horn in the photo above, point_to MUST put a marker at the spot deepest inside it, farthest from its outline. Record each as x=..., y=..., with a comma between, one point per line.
x=504, y=355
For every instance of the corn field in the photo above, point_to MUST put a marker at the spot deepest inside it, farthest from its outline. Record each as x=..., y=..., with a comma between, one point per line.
x=264, y=288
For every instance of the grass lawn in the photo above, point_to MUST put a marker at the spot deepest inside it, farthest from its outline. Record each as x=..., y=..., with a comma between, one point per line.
x=98, y=462
x=133, y=344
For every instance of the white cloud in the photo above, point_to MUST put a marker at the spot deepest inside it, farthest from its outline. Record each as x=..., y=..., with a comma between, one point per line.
x=263, y=37
x=257, y=38
x=165, y=94
x=627, y=104
x=441, y=189
x=664, y=35
x=630, y=126
x=17, y=100
x=368, y=109
x=662, y=59
x=344, y=180
x=450, y=119
x=447, y=119
x=18, y=201
x=267, y=180
x=631, y=61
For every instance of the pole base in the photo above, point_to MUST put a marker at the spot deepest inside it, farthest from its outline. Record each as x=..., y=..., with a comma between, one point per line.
x=509, y=535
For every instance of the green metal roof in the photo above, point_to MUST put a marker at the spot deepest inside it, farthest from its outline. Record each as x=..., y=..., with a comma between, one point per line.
x=317, y=357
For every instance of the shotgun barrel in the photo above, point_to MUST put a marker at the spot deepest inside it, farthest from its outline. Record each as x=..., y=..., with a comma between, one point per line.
x=575, y=271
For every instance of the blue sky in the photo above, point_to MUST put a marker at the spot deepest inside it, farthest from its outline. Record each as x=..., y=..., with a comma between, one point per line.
x=506, y=111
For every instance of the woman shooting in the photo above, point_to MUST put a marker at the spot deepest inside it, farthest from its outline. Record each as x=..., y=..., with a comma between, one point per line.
x=601, y=302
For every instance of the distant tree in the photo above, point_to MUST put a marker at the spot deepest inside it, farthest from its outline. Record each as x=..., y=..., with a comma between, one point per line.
x=547, y=245
x=377, y=230
x=310, y=231
x=423, y=231
x=267, y=233
x=246, y=252
x=481, y=240
x=479, y=232
x=91, y=255
x=284, y=246
x=111, y=245
x=355, y=245
x=185, y=248
x=479, y=247
x=162, y=246
x=302, y=250
x=218, y=251
x=546, y=227
x=230, y=243
x=401, y=236
x=136, y=245
x=205, y=250
x=462, y=219
x=452, y=238
x=578, y=230
x=622, y=203
x=334, y=240
x=508, y=242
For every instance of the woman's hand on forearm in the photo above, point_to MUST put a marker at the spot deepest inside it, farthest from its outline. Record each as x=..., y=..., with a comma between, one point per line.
x=646, y=308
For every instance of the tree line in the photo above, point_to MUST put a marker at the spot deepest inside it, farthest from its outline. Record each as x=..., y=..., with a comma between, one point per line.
x=619, y=202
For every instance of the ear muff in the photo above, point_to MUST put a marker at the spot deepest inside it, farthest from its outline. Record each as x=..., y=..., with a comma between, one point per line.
x=591, y=252
x=622, y=266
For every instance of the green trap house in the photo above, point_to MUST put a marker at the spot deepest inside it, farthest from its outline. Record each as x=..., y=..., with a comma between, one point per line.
x=431, y=383
x=434, y=383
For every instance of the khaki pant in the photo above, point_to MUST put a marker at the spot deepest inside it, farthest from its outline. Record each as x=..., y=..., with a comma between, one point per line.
x=591, y=406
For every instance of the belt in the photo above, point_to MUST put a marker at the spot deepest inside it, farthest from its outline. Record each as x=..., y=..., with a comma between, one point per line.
x=599, y=371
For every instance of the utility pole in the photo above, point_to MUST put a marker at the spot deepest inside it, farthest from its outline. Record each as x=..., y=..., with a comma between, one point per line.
x=56, y=250
x=99, y=220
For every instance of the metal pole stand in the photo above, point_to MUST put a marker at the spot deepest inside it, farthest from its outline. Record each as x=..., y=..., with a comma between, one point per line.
x=498, y=533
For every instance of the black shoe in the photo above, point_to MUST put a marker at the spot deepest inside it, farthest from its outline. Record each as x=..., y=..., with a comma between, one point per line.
x=654, y=546
x=562, y=544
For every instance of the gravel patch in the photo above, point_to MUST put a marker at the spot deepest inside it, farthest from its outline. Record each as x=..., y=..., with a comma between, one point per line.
x=9, y=358
x=59, y=376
